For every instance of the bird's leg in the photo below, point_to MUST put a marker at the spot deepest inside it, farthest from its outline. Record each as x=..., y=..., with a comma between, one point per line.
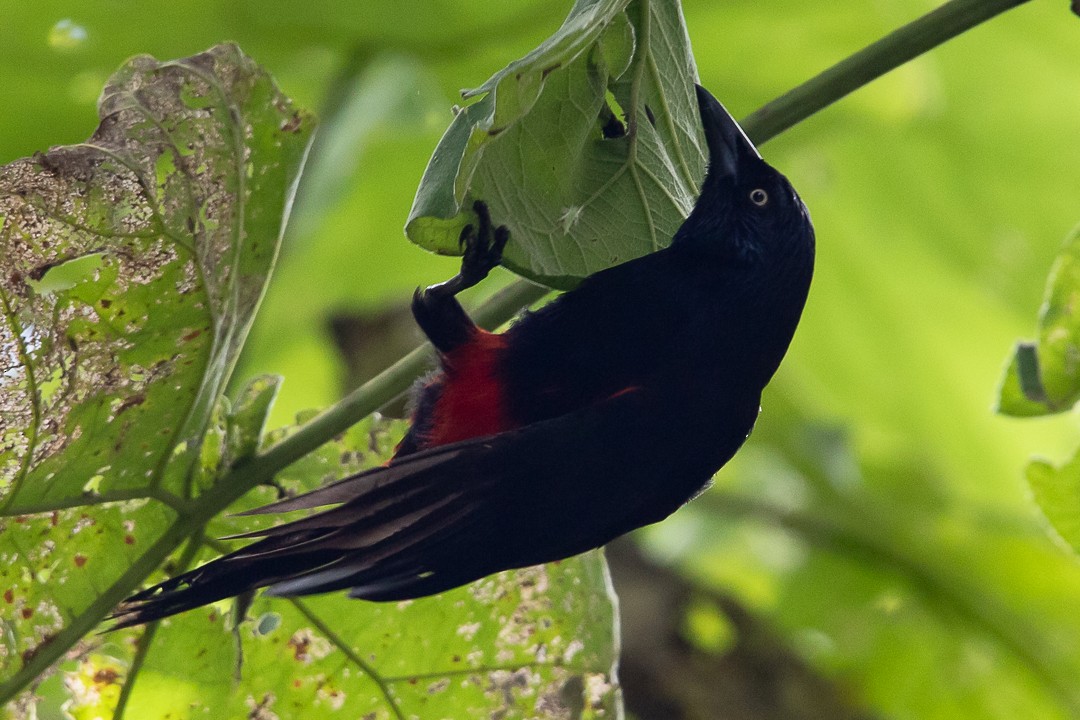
x=436, y=309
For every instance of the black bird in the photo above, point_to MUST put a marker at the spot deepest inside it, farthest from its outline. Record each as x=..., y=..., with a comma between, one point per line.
x=603, y=411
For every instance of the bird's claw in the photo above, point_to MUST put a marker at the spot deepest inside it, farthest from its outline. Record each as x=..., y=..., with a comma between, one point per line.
x=482, y=246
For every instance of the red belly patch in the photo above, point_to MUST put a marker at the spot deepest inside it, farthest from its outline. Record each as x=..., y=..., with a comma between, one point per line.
x=471, y=403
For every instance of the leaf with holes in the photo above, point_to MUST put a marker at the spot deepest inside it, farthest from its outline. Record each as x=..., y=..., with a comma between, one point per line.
x=130, y=268
x=536, y=643
x=589, y=148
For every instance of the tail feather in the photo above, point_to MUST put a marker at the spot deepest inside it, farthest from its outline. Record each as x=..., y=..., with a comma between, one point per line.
x=369, y=486
x=357, y=514
x=218, y=580
x=390, y=517
x=403, y=554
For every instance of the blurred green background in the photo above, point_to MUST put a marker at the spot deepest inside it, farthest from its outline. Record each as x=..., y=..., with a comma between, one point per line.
x=891, y=541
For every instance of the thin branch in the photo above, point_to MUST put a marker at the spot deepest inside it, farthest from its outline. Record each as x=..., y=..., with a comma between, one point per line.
x=146, y=640
x=870, y=63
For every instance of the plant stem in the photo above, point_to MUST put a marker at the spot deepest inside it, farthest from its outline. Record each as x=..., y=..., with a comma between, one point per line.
x=870, y=63
x=146, y=641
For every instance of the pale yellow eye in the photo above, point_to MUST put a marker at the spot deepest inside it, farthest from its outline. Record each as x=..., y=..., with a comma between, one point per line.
x=759, y=197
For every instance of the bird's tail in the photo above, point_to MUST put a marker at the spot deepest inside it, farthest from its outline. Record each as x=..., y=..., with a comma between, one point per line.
x=248, y=569
x=388, y=527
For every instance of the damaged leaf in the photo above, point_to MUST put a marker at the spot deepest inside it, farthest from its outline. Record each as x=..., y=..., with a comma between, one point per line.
x=130, y=269
x=589, y=148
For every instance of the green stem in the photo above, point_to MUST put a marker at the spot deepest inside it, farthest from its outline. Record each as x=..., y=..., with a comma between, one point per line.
x=84, y=501
x=870, y=63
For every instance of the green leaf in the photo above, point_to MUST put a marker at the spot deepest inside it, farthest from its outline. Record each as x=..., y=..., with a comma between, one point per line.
x=534, y=149
x=515, y=644
x=235, y=430
x=1044, y=377
x=1057, y=492
x=130, y=268
x=248, y=416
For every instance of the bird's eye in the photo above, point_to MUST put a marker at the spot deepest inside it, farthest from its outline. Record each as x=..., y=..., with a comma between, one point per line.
x=759, y=197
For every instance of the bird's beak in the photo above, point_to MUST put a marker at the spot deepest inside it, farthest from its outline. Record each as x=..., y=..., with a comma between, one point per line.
x=728, y=145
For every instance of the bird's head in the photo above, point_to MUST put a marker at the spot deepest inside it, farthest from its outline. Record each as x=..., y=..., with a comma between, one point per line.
x=747, y=211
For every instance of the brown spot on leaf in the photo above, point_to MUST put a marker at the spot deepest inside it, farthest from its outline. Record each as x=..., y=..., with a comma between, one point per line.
x=9, y=596
x=27, y=613
x=39, y=272
x=136, y=399
x=106, y=676
x=80, y=560
x=300, y=644
x=292, y=124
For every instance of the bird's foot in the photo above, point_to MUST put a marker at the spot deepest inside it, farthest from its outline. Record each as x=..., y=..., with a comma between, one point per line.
x=437, y=311
x=482, y=247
